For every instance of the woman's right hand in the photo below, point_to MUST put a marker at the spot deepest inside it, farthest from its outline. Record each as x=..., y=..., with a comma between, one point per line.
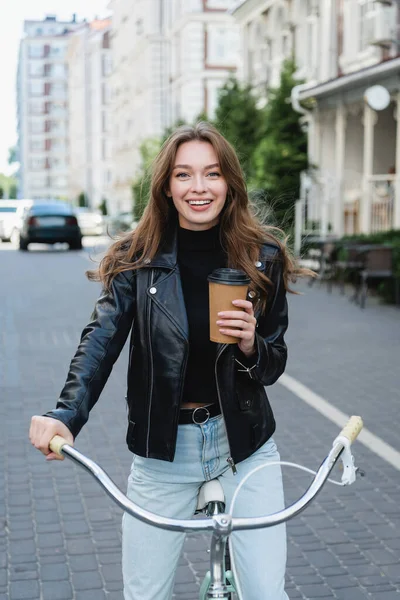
x=42, y=431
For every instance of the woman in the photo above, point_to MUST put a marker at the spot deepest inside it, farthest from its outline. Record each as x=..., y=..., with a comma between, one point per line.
x=196, y=410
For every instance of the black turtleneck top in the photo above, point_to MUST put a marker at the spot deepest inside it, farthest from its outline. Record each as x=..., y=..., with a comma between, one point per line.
x=199, y=253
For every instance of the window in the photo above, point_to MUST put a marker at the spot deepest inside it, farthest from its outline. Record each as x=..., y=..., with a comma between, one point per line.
x=57, y=51
x=104, y=122
x=37, y=163
x=38, y=181
x=105, y=93
x=37, y=145
x=222, y=46
x=58, y=70
x=58, y=89
x=368, y=12
x=259, y=50
x=106, y=65
x=35, y=51
x=60, y=181
x=36, y=107
x=36, y=127
x=35, y=69
x=57, y=107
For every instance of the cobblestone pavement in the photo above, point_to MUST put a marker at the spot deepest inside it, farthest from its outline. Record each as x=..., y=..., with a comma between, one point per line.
x=60, y=535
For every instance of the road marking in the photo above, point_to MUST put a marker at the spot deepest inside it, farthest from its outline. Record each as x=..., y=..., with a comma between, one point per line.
x=370, y=440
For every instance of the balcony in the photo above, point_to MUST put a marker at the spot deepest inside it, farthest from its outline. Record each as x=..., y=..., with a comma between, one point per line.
x=380, y=202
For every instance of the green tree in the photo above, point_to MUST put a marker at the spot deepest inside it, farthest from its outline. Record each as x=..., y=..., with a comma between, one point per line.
x=148, y=150
x=282, y=152
x=12, y=191
x=240, y=120
x=82, y=200
x=8, y=185
x=103, y=207
x=12, y=155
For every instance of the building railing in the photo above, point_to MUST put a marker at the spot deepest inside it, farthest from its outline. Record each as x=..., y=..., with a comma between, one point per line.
x=367, y=208
x=381, y=196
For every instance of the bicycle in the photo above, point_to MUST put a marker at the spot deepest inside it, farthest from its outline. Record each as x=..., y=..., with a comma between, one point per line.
x=219, y=582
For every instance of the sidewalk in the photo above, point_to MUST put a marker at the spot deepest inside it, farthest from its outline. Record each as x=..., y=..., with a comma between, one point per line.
x=61, y=538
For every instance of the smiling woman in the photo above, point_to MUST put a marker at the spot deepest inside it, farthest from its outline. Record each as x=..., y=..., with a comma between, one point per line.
x=197, y=410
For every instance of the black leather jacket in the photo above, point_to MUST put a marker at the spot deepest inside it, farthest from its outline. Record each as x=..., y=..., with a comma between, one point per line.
x=149, y=303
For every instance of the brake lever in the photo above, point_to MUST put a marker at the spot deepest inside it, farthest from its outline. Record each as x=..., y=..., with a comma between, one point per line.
x=349, y=468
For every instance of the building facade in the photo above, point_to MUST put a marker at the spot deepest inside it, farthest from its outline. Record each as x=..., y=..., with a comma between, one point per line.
x=203, y=43
x=342, y=49
x=89, y=101
x=42, y=108
x=170, y=57
x=138, y=84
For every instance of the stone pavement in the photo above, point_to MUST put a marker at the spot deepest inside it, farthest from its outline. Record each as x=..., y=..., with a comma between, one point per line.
x=60, y=534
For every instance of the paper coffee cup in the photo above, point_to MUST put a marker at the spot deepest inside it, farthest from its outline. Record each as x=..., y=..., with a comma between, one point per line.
x=225, y=285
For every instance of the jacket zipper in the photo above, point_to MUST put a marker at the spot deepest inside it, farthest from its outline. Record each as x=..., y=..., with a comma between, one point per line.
x=229, y=460
x=151, y=369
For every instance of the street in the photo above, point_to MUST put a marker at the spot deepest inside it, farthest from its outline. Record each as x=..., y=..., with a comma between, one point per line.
x=60, y=537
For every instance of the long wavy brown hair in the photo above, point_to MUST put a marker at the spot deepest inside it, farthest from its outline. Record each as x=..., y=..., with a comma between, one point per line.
x=241, y=232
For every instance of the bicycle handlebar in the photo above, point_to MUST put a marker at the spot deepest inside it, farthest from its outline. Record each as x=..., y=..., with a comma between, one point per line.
x=223, y=523
x=352, y=429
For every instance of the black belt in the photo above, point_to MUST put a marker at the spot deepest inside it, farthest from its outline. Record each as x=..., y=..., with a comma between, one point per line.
x=200, y=415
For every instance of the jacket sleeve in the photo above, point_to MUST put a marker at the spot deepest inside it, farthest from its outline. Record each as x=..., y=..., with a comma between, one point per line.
x=269, y=361
x=101, y=343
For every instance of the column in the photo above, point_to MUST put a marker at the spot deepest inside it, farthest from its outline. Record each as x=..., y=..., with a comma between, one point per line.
x=340, y=149
x=370, y=119
x=396, y=207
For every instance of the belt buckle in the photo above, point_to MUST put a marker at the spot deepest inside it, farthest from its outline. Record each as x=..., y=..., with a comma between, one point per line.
x=207, y=415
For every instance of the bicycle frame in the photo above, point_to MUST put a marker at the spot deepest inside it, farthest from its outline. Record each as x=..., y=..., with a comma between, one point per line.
x=223, y=524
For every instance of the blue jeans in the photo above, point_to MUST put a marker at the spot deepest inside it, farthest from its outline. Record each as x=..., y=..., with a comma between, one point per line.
x=150, y=556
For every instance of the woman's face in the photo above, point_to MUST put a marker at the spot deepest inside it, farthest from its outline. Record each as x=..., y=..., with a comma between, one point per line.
x=196, y=185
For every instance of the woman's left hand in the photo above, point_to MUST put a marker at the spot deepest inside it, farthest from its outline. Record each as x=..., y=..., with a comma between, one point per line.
x=245, y=323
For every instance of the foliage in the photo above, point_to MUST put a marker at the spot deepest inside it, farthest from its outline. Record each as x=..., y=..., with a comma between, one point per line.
x=12, y=191
x=148, y=150
x=103, y=207
x=282, y=152
x=8, y=186
x=82, y=200
x=239, y=119
x=12, y=155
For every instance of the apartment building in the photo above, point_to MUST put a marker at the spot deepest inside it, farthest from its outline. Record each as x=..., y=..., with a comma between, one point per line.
x=138, y=82
x=89, y=130
x=42, y=108
x=347, y=52
x=170, y=57
x=203, y=42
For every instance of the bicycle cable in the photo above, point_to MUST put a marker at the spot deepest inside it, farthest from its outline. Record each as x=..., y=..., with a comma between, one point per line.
x=230, y=512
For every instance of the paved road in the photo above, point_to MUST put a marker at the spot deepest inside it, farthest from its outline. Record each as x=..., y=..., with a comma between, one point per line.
x=60, y=536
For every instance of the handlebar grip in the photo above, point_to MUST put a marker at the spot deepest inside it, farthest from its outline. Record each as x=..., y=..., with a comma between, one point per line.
x=352, y=428
x=57, y=444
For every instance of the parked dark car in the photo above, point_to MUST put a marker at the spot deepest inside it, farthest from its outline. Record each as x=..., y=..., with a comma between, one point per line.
x=50, y=223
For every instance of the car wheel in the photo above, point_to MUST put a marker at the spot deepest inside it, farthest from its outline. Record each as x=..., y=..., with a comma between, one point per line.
x=23, y=245
x=76, y=245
